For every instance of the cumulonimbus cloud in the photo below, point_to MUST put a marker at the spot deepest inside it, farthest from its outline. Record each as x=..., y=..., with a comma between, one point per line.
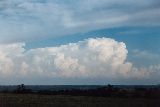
x=91, y=58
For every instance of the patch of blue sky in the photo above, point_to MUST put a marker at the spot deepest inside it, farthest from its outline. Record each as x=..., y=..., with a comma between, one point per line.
x=141, y=38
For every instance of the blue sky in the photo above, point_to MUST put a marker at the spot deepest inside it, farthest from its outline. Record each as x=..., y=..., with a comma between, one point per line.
x=36, y=31
x=136, y=38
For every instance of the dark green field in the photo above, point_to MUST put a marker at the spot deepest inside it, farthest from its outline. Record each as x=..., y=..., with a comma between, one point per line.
x=33, y=100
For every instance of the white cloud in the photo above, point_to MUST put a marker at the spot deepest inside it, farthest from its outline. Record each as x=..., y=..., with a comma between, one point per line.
x=146, y=55
x=28, y=19
x=93, y=58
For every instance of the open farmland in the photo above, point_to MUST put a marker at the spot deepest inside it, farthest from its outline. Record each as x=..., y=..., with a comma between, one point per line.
x=35, y=100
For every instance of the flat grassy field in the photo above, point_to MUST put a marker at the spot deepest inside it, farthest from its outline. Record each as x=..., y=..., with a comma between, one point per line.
x=33, y=100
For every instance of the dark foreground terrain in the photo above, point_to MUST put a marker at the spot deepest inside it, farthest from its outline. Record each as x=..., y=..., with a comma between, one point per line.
x=35, y=100
x=80, y=96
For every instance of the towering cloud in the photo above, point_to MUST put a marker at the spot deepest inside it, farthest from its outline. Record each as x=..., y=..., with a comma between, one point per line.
x=91, y=58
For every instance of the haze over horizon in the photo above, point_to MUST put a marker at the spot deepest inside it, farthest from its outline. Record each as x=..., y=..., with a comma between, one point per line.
x=79, y=42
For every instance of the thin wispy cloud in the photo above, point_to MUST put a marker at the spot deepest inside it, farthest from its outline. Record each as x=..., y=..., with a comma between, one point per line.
x=29, y=19
x=97, y=58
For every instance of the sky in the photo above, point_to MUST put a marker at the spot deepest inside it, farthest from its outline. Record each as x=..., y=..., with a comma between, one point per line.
x=79, y=42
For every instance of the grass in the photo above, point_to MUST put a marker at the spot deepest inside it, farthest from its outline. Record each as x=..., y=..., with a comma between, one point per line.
x=34, y=100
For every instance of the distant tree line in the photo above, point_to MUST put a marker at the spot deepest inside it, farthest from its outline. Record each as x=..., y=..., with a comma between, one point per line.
x=106, y=91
